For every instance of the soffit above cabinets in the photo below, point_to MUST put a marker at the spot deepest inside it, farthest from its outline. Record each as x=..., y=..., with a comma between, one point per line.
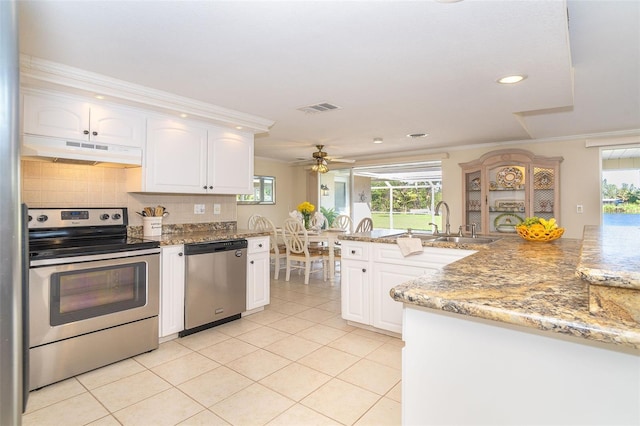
x=41, y=74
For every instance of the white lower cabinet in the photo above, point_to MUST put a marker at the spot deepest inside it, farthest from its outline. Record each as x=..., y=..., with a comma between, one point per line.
x=172, y=290
x=370, y=270
x=258, y=272
x=355, y=279
x=386, y=313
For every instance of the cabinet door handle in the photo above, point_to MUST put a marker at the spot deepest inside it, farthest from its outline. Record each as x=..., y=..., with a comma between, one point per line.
x=204, y=187
x=180, y=254
x=353, y=252
x=251, y=262
x=260, y=245
x=211, y=187
x=364, y=270
x=86, y=132
x=95, y=133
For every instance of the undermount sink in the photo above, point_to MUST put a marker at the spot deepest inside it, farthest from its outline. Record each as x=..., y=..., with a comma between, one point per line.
x=414, y=234
x=467, y=240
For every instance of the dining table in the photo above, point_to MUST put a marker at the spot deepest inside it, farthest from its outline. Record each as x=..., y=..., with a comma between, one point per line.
x=330, y=237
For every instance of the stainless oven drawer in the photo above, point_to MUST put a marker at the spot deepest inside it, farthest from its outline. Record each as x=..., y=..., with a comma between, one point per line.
x=73, y=299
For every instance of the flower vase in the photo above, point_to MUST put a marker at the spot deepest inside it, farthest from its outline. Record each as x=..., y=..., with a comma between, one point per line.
x=307, y=221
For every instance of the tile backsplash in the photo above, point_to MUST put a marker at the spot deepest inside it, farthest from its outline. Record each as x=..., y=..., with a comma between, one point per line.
x=47, y=184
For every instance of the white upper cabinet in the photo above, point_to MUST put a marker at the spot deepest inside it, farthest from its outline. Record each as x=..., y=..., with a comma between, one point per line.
x=230, y=161
x=175, y=158
x=182, y=157
x=78, y=119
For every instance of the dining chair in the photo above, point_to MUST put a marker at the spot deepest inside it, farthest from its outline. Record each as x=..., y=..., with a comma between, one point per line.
x=343, y=222
x=296, y=241
x=251, y=223
x=277, y=249
x=319, y=221
x=365, y=225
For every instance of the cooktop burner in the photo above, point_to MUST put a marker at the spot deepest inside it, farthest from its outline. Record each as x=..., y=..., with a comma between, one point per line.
x=60, y=232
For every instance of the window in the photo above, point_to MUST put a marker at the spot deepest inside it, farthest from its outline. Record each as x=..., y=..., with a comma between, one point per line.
x=264, y=191
x=621, y=186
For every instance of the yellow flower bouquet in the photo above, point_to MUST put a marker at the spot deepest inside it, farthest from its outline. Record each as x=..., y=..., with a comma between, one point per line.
x=306, y=208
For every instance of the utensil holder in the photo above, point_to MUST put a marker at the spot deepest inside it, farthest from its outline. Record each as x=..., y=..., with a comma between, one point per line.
x=152, y=226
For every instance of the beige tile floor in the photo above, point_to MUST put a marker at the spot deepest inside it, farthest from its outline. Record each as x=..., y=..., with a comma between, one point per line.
x=295, y=363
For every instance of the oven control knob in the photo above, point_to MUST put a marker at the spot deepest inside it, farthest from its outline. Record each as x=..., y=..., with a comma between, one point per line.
x=104, y=216
x=116, y=216
x=42, y=218
x=30, y=218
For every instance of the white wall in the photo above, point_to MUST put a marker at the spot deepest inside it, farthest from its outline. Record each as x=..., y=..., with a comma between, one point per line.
x=579, y=181
x=46, y=184
x=288, y=183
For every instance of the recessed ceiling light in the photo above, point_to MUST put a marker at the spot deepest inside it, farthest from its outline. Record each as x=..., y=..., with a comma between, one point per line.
x=239, y=127
x=417, y=135
x=511, y=79
x=99, y=97
x=377, y=140
x=183, y=115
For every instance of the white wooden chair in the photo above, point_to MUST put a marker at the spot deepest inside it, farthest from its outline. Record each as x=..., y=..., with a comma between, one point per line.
x=343, y=222
x=277, y=249
x=251, y=223
x=296, y=241
x=365, y=225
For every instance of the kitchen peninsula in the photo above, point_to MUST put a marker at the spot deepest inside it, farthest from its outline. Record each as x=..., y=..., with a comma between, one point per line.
x=505, y=336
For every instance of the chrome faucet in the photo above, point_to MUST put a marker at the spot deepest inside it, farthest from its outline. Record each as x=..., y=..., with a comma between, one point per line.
x=437, y=213
x=435, y=228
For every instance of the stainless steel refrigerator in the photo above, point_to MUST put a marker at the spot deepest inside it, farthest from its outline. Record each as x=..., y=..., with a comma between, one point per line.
x=13, y=238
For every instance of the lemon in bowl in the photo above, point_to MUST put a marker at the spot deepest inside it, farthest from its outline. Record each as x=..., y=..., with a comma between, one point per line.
x=539, y=229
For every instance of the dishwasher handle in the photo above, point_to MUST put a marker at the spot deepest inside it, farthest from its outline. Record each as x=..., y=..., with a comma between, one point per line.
x=216, y=246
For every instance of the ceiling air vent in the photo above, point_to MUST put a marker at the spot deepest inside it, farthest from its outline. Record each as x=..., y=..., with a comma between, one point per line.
x=316, y=108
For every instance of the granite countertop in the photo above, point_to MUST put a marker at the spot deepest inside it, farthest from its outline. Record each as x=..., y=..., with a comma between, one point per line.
x=200, y=236
x=528, y=284
x=389, y=236
x=611, y=258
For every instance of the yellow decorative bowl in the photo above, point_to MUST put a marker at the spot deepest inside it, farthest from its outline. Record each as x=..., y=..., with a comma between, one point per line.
x=540, y=234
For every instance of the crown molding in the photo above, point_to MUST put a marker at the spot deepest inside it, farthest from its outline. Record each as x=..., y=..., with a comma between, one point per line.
x=40, y=73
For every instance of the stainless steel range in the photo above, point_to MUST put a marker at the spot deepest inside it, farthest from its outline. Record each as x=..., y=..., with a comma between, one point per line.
x=93, y=292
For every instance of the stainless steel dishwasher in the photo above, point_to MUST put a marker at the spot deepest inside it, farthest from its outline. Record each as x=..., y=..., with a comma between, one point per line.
x=215, y=283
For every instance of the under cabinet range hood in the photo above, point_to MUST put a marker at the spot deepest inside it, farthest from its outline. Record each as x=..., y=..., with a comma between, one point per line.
x=77, y=152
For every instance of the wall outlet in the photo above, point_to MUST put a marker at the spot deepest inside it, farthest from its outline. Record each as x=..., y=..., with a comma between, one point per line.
x=216, y=209
x=579, y=209
x=198, y=209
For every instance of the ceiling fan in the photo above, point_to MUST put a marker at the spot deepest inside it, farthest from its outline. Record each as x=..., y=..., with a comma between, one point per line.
x=321, y=160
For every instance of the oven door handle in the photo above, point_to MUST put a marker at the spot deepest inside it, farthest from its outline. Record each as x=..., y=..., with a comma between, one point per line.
x=93, y=257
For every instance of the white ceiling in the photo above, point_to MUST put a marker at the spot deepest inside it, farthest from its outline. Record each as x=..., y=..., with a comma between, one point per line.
x=393, y=67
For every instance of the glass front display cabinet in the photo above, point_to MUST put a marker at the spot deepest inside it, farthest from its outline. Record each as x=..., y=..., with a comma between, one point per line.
x=502, y=188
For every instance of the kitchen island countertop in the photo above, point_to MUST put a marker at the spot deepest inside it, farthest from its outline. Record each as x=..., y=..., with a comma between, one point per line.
x=530, y=284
